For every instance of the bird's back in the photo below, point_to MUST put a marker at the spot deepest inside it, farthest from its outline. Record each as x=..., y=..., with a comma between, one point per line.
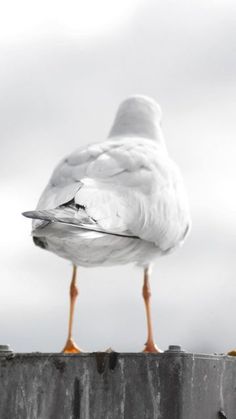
x=125, y=186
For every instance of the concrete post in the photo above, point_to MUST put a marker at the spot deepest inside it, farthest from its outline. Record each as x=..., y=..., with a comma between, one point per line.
x=172, y=385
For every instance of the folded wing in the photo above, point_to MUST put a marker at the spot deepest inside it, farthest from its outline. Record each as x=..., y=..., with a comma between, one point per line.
x=124, y=186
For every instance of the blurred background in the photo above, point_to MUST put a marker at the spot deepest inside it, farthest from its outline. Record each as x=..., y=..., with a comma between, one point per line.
x=64, y=69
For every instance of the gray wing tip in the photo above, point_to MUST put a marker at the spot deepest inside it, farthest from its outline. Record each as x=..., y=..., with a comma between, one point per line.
x=37, y=215
x=28, y=214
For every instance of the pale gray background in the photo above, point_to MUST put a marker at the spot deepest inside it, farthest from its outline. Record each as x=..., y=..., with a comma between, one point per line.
x=65, y=67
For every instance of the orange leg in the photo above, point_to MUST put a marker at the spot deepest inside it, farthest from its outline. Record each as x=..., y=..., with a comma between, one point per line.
x=150, y=345
x=71, y=346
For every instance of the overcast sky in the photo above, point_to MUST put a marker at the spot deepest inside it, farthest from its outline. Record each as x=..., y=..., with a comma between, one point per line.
x=63, y=72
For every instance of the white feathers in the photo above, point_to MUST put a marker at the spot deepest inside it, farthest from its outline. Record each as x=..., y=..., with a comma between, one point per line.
x=138, y=116
x=127, y=183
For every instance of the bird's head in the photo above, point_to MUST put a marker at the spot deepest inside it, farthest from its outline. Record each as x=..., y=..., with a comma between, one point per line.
x=138, y=116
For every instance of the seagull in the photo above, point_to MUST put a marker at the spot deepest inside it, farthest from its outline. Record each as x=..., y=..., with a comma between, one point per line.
x=115, y=202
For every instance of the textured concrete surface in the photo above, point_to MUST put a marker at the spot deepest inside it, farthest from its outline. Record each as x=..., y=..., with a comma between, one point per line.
x=114, y=386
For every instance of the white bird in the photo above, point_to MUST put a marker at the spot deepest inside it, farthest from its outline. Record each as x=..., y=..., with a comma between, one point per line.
x=115, y=202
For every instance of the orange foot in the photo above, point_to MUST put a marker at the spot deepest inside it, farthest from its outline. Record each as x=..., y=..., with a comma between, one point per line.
x=232, y=353
x=151, y=347
x=71, y=348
